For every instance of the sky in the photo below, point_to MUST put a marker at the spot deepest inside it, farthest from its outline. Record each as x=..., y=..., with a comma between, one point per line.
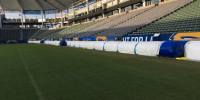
x=16, y=15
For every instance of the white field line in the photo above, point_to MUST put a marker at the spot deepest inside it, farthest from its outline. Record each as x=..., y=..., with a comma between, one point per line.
x=37, y=59
x=31, y=77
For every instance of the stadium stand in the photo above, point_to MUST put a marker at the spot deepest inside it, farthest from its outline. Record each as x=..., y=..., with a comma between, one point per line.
x=109, y=23
x=96, y=27
x=144, y=18
x=164, y=17
x=125, y=23
x=44, y=33
x=186, y=19
x=9, y=34
x=16, y=34
x=28, y=33
x=72, y=30
x=38, y=33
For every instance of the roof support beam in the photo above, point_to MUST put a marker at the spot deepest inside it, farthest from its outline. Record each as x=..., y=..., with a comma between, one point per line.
x=61, y=4
x=78, y=3
x=52, y=4
x=1, y=7
x=56, y=4
x=20, y=4
x=39, y=4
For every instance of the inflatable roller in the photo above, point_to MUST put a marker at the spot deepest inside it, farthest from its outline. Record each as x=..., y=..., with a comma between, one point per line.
x=38, y=42
x=99, y=45
x=82, y=44
x=127, y=47
x=68, y=43
x=148, y=48
x=192, y=50
x=90, y=45
x=171, y=49
x=63, y=43
x=111, y=46
x=42, y=42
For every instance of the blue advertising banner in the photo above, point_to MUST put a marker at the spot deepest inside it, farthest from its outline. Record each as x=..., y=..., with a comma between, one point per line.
x=166, y=36
x=32, y=12
x=138, y=38
x=145, y=37
x=87, y=39
x=52, y=11
x=100, y=38
x=148, y=37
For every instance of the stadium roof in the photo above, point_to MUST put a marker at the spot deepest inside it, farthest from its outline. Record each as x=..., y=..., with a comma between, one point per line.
x=18, y=5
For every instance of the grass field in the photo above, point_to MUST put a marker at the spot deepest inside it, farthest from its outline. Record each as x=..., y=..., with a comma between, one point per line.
x=35, y=71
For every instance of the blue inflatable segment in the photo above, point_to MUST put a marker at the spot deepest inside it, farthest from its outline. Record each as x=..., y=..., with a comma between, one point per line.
x=183, y=42
x=171, y=49
x=42, y=42
x=63, y=43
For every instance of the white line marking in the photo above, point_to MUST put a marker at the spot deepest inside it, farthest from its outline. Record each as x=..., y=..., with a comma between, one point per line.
x=37, y=59
x=31, y=77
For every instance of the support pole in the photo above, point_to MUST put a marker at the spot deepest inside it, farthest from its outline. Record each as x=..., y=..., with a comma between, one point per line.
x=61, y=19
x=87, y=7
x=73, y=13
x=55, y=16
x=42, y=18
x=144, y=3
x=22, y=18
x=120, y=10
x=0, y=21
x=45, y=18
x=103, y=15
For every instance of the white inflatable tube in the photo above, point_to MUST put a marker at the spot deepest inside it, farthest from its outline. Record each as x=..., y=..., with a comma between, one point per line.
x=111, y=46
x=192, y=50
x=99, y=45
x=90, y=44
x=73, y=43
x=68, y=43
x=127, y=47
x=38, y=42
x=83, y=44
x=148, y=48
x=47, y=42
x=77, y=43
x=56, y=43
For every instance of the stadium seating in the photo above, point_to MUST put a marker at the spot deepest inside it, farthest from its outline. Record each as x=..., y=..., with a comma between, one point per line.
x=96, y=27
x=186, y=19
x=180, y=17
x=144, y=18
x=71, y=30
x=16, y=34
x=28, y=33
x=38, y=34
x=9, y=34
x=129, y=22
x=108, y=23
x=43, y=34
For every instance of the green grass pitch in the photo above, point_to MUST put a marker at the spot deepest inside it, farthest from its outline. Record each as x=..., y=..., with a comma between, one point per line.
x=36, y=71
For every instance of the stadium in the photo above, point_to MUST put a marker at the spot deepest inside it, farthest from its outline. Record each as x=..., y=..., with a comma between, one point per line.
x=99, y=49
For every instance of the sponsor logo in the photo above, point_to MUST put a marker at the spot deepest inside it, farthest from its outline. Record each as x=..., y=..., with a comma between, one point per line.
x=31, y=11
x=182, y=36
x=75, y=39
x=102, y=38
x=138, y=39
